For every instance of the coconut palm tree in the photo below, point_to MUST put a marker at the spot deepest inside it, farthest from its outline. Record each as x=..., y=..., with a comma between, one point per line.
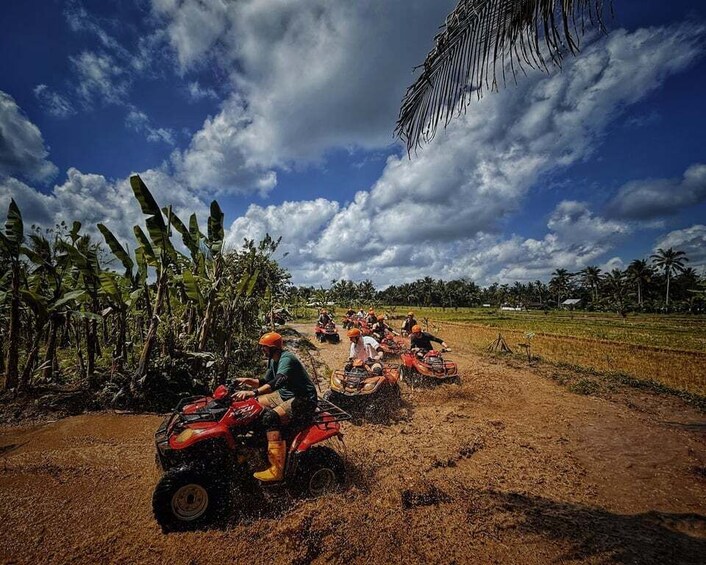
x=640, y=273
x=560, y=283
x=670, y=262
x=484, y=42
x=614, y=283
x=591, y=277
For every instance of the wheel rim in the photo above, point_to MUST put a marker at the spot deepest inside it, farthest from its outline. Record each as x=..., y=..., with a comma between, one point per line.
x=322, y=481
x=190, y=502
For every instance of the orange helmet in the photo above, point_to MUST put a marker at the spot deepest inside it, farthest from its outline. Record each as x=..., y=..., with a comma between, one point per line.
x=416, y=329
x=271, y=339
x=358, y=363
x=381, y=317
x=354, y=332
x=371, y=311
x=410, y=314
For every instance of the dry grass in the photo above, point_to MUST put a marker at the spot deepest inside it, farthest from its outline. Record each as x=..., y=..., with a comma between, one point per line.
x=680, y=370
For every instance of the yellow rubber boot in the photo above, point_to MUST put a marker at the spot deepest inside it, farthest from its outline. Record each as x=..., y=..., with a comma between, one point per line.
x=276, y=453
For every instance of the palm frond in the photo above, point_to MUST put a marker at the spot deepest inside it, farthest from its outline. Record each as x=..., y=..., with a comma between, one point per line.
x=482, y=41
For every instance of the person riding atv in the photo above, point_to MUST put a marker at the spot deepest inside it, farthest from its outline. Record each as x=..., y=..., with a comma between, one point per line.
x=289, y=396
x=324, y=319
x=380, y=329
x=366, y=349
x=420, y=341
x=371, y=318
x=408, y=324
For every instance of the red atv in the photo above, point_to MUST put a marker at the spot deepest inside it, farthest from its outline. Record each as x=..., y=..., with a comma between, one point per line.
x=209, y=445
x=327, y=333
x=418, y=367
x=391, y=345
x=358, y=389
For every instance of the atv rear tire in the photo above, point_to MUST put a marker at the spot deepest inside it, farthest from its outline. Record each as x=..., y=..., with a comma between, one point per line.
x=320, y=471
x=188, y=498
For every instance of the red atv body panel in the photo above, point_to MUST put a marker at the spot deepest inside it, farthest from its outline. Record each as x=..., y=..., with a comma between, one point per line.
x=426, y=366
x=316, y=433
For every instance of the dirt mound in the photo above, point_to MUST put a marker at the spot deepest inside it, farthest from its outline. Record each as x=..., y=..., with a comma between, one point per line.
x=509, y=467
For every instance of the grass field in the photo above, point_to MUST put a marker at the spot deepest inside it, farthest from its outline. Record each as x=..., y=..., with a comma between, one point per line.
x=667, y=349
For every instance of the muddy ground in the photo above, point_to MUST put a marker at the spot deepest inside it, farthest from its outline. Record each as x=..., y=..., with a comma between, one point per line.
x=509, y=467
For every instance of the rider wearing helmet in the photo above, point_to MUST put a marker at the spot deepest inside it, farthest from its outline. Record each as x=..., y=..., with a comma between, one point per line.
x=371, y=318
x=421, y=341
x=380, y=328
x=324, y=318
x=408, y=323
x=366, y=349
x=288, y=395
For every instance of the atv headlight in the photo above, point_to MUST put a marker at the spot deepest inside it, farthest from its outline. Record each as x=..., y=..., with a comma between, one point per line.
x=184, y=436
x=369, y=387
x=336, y=383
x=187, y=434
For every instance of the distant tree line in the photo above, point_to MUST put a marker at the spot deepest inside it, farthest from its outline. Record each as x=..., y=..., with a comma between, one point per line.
x=658, y=284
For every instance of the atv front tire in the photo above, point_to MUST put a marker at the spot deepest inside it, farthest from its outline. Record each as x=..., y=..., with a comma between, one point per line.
x=320, y=471
x=188, y=498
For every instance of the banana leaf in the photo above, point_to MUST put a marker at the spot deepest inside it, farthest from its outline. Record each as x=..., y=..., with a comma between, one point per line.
x=147, y=202
x=68, y=297
x=191, y=286
x=194, y=230
x=108, y=285
x=189, y=242
x=215, y=228
x=253, y=281
x=14, y=227
x=36, y=302
x=117, y=249
x=148, y=253
x=73, y=234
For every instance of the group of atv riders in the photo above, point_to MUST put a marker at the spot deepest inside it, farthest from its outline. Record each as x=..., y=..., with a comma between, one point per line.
x=287, y=391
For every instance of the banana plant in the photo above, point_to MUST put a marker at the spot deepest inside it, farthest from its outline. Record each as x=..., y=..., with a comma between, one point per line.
x=160, y=254
x=10, y=246
x=82, y=255
x=214, y=244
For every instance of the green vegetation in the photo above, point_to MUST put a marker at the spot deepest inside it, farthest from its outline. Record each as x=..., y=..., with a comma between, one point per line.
x=174, y=319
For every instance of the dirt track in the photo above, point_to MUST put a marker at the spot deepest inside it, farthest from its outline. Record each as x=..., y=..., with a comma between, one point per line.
x=507, y=468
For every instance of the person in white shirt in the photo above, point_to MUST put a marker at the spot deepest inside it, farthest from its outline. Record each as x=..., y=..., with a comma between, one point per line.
x=367, y=349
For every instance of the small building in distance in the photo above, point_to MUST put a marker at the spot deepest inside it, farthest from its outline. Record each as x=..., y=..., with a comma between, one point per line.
x=571, y=303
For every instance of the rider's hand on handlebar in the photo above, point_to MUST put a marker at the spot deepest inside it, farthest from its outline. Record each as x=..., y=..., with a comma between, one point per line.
x=244, y=394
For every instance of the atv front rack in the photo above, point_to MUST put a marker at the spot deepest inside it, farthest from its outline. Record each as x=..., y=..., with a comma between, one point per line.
x=327, y=413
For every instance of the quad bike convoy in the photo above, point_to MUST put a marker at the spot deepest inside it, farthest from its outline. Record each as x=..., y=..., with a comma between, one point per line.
x=209, y=446
x=428, y=367
x=327, y=333
x=360, y=388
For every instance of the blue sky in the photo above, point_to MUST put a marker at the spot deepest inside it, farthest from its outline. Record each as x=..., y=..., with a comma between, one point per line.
x=283, y=111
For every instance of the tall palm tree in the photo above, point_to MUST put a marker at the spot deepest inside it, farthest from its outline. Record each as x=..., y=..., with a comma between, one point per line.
x=670, y=262
x=482, y=39
x=614, y=283
x=591, y=277
x=560, y=283
x=641, y=274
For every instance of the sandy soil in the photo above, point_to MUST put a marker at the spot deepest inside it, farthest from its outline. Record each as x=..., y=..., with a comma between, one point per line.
x=509, y=467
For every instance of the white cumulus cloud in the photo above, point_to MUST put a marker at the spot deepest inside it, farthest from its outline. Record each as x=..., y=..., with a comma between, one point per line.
x=22, y=150
x=691, y=240
x=654, y=198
